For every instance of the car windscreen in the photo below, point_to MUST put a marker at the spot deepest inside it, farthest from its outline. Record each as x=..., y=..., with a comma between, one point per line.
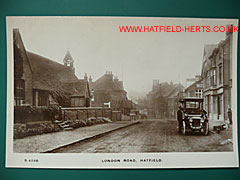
x=193, y=105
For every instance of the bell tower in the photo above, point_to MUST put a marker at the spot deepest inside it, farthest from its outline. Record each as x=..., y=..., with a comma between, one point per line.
x=68, y=61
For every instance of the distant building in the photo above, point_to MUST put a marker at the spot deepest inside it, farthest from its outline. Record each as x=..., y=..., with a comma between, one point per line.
x=110, y=89
x=39, y=81
x=217, y=78
x=173, y=100
x=163, y=99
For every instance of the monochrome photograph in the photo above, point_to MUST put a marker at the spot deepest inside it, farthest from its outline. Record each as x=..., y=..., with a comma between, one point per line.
x=121, y=92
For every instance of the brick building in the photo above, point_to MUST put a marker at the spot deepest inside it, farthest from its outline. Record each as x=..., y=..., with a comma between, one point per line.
x=39, y=81
x=217, y=78
x=110, y=89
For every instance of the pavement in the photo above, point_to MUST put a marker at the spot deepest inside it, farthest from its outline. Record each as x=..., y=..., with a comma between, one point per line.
x=53, y=141
x=154, y=135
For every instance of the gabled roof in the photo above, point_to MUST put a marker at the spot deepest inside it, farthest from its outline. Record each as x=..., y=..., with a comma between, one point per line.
x=17, y=40
x=106, y=82
x=205, y=67
x=56, y=78
x=77, y=89
x=208, y=50
x=48, y=74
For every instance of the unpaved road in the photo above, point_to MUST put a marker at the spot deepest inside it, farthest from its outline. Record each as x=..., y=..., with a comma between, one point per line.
x=152, y=136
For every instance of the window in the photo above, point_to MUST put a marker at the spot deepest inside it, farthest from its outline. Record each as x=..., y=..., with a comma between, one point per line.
x=214, y=77
x=205, y=83
x=198, y=93
x=208, y=78
x=19, y=91
x=220, y=74
x=41, y=98
x=214, y=61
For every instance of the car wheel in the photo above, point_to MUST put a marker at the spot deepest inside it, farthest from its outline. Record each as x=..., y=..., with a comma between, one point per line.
x=206, y=128
x=183, y=128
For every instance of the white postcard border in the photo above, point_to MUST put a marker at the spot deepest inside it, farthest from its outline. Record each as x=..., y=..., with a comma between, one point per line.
x=95, y=160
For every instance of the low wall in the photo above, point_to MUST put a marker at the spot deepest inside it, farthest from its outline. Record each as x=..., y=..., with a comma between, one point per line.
x=72, y=113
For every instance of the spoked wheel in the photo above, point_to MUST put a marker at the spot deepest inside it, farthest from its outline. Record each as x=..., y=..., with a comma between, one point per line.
x=206, y=128
x=183, y=128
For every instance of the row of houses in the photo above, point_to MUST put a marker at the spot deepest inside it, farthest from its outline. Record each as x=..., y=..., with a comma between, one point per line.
x=215, y=82
x=42, y=82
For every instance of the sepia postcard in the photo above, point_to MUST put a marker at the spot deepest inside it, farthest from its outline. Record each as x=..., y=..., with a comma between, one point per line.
x=121, y=92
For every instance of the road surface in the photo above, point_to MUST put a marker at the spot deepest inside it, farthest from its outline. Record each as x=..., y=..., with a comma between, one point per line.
x=152, y=136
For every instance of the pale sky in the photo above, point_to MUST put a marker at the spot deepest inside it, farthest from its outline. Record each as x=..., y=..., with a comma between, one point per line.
x=97, y=46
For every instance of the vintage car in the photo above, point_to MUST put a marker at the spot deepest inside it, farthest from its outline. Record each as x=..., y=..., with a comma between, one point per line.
x=194, y=117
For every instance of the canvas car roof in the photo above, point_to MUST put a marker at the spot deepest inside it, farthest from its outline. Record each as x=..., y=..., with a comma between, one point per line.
x=193, y=98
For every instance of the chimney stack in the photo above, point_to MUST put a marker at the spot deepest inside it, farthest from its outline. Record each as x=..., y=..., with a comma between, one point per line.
x=85, y=77
x=90, y=78
x=115, y=78
x=109, y=75
x=229, y=29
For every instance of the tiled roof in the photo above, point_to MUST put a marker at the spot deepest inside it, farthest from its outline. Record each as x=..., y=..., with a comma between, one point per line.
x=54, y=77
x=106, y=82
x=78, y=88
x=208, y=50
x=48, y=74
x=58, y=79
